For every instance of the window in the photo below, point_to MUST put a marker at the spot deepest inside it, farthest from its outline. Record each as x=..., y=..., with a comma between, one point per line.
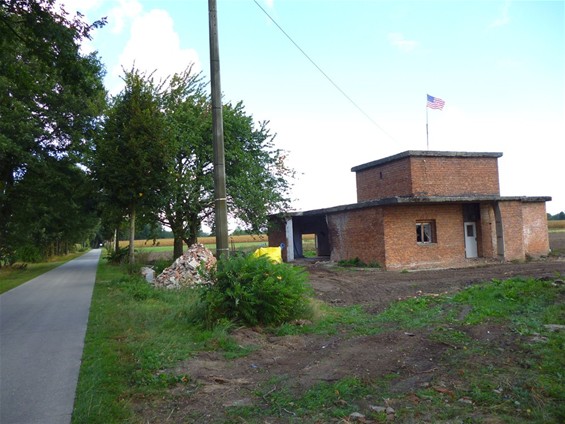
x=426, y=232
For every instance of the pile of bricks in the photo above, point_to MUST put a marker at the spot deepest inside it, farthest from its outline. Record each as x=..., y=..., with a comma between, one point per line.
x=189, y=270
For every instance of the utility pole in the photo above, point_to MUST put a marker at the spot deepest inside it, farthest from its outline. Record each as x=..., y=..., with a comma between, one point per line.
x=221, y=218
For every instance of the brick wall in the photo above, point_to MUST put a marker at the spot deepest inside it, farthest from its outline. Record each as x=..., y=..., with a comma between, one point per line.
x=357, y=234
x=536, y=238
x=487, y=225
x=446, y=176
x=429, y=176
x=277, y=235
x=387, y=180
x=402, y=249
x=387, y=235
x=512, y=230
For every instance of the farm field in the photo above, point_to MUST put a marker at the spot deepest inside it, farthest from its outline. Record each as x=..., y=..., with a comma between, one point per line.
x=245, y=243
x=556, y=226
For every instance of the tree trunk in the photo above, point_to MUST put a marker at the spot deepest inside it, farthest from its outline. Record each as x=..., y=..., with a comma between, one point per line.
x=193, y=228
x=116, y=240
x=132, y=236
x=178, y=246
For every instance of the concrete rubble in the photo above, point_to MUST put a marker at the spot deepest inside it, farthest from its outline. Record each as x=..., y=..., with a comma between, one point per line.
x=189, y=270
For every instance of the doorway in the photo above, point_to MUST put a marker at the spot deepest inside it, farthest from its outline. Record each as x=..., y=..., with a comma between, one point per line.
x=470, y=240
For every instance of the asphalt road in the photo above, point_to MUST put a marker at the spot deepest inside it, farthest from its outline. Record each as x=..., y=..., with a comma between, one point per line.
x=42, y=328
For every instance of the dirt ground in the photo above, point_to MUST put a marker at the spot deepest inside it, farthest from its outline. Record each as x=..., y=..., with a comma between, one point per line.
x=303, y=361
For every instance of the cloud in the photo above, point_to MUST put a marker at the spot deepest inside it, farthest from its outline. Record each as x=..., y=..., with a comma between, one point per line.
x=154, y=45
x=125, y=10
x=504, y=18
x=397, y=40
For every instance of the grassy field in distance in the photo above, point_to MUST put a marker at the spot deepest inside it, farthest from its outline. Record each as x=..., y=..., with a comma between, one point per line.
x=556, y=226
x=238, y=241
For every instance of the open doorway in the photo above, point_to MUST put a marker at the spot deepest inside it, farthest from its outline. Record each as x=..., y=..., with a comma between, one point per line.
x=310, y=236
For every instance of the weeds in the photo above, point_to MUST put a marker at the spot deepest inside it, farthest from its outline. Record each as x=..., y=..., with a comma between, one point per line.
x=356, y=263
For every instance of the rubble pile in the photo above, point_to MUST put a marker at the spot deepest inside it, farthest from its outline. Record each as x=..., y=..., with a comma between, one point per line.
x=186, y=271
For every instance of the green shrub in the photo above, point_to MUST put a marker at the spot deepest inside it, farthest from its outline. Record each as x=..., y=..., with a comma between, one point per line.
x=256, y=291
x=118, y=256
x=29, y=253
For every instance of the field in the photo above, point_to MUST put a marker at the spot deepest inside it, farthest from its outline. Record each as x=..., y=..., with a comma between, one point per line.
x=253, y=241
x=556, y=226
x=246, y=243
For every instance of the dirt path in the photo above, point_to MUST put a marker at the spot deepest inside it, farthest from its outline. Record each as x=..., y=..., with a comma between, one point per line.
x=302, y=361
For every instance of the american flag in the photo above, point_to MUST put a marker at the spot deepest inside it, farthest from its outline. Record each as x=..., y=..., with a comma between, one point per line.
x=435, y=102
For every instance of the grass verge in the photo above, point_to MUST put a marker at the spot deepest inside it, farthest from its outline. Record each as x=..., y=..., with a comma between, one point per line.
x=18, y=274
x=134, y=333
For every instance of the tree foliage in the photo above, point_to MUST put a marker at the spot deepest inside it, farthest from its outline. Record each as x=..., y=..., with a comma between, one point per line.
x=188, y=196
x=557, y=217
x=50, y=101
x=257, y=179
x=133, y=153
x=67, y=215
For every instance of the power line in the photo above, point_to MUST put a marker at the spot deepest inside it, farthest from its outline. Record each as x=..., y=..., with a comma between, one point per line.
x=323, y=73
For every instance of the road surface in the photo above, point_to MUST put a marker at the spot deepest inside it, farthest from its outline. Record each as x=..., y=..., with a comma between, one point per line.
x=42, y=328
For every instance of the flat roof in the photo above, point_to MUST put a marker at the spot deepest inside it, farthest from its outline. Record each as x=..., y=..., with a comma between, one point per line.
x=410, y=200
x=425, y=153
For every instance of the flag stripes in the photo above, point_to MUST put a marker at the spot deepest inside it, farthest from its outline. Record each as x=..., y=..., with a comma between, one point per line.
x=435, y=102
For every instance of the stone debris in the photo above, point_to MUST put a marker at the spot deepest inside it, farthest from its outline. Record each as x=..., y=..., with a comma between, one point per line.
x=147, y=273
x=356, y=416
x=187, y=270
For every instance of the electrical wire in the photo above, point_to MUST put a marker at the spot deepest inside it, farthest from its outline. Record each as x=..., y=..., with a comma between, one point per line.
x=323, y=73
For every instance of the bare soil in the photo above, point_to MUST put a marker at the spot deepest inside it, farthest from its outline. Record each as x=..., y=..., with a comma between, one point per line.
x=299, y=362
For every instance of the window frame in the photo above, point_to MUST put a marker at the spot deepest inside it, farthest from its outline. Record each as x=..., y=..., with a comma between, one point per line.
x=424, y=237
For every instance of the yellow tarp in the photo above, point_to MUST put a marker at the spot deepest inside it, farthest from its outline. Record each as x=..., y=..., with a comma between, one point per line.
x=273, y=253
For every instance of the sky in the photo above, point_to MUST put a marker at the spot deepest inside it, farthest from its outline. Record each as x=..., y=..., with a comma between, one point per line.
x=345, y=81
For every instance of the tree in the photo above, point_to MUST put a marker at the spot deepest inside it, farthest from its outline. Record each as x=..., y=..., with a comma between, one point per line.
x=557, y=217
x=188, y=194
x=256, y=175
x=55, y=208
x=133, y=153
x=258, y=180
x=50, y=101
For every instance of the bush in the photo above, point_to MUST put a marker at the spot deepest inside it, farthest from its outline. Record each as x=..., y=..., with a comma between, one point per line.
x=119, y=256
x=255, y=291
x=29, y=254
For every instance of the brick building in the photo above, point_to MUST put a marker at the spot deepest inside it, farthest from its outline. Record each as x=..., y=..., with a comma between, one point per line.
x=422, y=209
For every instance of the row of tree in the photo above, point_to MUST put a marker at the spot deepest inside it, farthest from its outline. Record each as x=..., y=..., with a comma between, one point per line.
x=154, y=159
x=557, y=217
x=74, y=163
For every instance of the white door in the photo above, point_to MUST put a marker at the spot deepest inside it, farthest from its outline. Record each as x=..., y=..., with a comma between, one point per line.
x=470, y=240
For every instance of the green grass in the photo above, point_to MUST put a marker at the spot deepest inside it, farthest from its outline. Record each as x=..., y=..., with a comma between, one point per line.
x=239, y=246
x=135, y=333
x=336, y=400
x=138, y=334
x=11, y=277
x=520, y=383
